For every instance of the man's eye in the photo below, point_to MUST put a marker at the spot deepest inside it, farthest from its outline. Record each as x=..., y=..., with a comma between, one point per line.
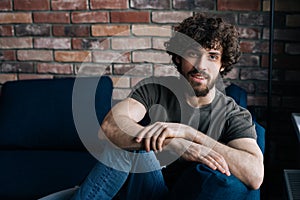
x=213, y=57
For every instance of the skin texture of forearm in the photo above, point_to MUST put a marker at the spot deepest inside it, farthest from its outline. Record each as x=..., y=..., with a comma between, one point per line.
x=121, y=133
x=245, y=162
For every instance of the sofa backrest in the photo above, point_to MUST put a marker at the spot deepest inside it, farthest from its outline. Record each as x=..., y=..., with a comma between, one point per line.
x=38, y=113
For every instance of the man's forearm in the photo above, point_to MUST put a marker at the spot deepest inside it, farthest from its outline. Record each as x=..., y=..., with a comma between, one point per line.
x=244, y=158
x=121, y=133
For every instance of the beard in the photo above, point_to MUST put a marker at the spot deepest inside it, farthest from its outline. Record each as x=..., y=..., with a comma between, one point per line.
x=200, y=89
x=202, y=92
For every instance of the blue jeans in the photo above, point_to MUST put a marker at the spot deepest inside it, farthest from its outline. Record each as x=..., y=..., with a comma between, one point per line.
x=196, y=182
x=106, y=182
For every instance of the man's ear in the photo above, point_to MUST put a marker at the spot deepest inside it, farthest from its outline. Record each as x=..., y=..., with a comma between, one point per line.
x=178, y=60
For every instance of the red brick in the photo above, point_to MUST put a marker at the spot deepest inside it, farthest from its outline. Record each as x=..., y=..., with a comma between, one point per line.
x=256, y=100
x=151, y=30
x=233, y=74
x=247, y=46
x=11, y=43
x=156, y=4
x=133, y=69
x=170, y=17
x=110, y=57
x=90, y=17
x=95, y=43
x=32, y=30
x=38, y=55
x=52, y=43
x=31, y=5
x=120, y=94
x=254, y=74
x=287, y=5
x=253, y=5
x=151, y=56
x=194, y=5
x=121, y=81
x=7, y=55
x=11, y=18
x=293, y=48
x=34, y=76
x=255, y=47
x=135, y=80
x=71, y=30
x=130, y=17
x=92, y=69
x=130, y=43
x=159, y=43
x=53, y=17
x=249, y=33
x=165, y=70
x=109, y=4
x=54, y=68
x=7, y=77
x=5, y=5
x=293, y=20
x=6, y=30
x=248, y=60
x=69, y=5
x=20, y=67
x=255, y=19
x=73, y=56
x=110, y=30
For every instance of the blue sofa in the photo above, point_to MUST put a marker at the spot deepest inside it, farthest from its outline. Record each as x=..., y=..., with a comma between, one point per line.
x=40, y=150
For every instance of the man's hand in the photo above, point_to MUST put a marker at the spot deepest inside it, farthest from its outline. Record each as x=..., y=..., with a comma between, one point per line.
x=198, y=153
x=154, y=135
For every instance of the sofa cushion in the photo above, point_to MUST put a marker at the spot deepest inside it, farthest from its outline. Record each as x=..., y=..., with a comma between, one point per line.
x=38, y=113
x=31, y=174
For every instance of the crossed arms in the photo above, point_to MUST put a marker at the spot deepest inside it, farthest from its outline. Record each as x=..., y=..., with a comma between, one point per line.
x=241, y=157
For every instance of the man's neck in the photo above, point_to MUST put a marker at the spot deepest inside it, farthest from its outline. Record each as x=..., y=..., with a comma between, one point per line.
x=198, y=102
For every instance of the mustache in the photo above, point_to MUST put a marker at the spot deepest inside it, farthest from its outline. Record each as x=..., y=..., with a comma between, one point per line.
x=200, y=72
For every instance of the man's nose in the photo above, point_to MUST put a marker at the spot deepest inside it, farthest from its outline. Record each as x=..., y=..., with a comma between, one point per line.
x=200, y=63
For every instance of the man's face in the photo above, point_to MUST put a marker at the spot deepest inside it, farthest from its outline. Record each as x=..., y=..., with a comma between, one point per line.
x=201, y=67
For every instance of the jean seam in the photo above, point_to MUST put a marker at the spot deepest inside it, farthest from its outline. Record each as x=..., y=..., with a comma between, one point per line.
x=96, y=189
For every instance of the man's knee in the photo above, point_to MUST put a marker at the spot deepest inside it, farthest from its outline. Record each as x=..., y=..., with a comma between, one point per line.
x=205, y=183
x=216, y=185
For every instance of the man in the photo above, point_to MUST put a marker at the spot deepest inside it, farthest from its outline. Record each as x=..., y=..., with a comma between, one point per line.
x=185, y=116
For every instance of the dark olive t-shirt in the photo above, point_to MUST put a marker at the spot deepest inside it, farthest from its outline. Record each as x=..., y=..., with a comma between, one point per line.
x=164, y=100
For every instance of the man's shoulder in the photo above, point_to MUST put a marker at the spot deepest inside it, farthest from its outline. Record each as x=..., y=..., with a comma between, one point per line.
x=160, y=81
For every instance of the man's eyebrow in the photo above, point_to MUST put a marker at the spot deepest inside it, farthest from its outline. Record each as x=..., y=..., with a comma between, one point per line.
x=215, y=52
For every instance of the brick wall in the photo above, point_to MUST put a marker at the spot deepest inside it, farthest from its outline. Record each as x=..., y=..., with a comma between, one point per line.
x=124, y=39
x=57, y=38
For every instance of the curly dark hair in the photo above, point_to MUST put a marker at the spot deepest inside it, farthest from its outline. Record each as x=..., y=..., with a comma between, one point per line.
x=212, y=33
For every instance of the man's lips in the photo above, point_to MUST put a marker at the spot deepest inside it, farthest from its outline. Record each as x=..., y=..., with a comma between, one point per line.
x=198, y=76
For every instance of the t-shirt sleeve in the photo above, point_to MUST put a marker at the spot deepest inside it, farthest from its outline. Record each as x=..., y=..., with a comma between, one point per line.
x=238, y=125
x=145, y=92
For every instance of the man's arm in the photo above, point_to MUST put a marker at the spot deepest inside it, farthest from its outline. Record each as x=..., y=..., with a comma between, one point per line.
x=121, y=124
x=243, y=156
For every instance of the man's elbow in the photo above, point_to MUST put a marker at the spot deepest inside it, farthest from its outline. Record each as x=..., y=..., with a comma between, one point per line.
x=104, y=131
x=257, y=178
